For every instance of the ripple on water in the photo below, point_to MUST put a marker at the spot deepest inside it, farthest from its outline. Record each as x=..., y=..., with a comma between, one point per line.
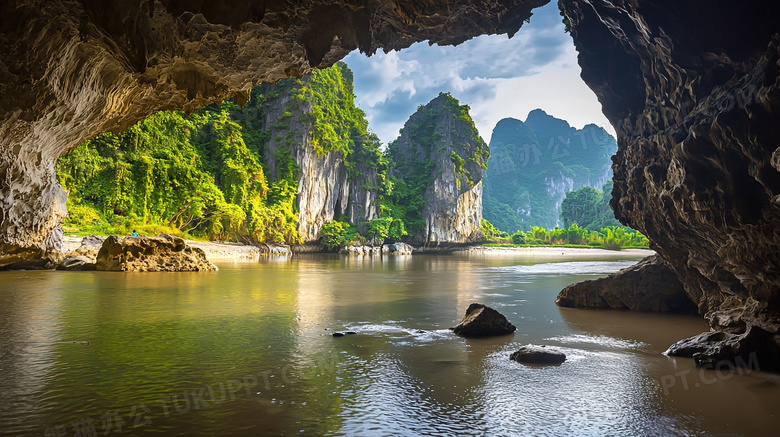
x=400, y=332
x=569, y=268
x=599, y=340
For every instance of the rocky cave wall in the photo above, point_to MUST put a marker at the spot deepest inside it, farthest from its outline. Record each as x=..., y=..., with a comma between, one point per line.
x=70, y=70
x=692, y=91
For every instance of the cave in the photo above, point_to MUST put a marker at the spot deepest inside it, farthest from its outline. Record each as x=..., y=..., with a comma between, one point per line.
x=691, y=88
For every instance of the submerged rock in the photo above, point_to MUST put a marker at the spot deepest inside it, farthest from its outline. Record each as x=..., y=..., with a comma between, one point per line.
x=483, y=321
x=162, y=253
x=77, y=263
x=756, y=349
x=538, y=355
x=397, y=249
x=648, y=286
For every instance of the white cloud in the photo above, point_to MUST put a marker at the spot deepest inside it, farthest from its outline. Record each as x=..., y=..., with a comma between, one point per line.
x=498, y=77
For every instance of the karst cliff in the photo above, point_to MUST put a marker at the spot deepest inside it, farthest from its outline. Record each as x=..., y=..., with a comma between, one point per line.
x=440, y=157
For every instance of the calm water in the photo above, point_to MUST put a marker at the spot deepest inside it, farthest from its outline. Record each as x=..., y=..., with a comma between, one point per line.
x=249, y=351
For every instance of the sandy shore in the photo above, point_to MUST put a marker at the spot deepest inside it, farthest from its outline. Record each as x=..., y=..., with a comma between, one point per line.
x=567, y=252
x=243, y=252
x=214, y=251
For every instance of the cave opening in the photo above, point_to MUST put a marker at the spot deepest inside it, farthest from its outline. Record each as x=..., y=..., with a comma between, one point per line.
x=524, y=93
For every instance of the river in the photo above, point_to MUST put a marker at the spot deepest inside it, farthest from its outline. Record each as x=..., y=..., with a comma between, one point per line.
x=249, y=350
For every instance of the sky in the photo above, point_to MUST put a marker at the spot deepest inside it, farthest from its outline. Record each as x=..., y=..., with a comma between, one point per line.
x=498, y=77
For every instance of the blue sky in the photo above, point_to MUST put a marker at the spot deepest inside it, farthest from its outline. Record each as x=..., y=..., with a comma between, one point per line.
x=497, y=76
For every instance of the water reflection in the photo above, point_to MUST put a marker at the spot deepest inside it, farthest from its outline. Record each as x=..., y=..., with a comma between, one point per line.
x=248, y=350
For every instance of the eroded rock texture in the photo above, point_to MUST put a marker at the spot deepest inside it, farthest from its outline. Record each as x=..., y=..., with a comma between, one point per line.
x=440, y=142
x=72, y=69
x=692, y=90
x=161, y=253
x=649, y=286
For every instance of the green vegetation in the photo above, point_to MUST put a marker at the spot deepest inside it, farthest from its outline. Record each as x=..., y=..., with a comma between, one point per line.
x=534, y=163
x=414, y=159
x=589, y=208
x=613, y=238
x=207, y=175
x=193, y=176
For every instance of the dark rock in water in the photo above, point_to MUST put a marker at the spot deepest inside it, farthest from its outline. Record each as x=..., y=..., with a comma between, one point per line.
x=538, y=355
x=342, y=334
x=77, y=263
x=649, y=286
x=755, y=349
x=162, y=253
x=483, y=321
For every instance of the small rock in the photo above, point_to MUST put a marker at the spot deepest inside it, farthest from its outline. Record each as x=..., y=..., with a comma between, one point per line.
x=483, y=321
x=338, y=334
x=77, y=263
x=351, y=333
x=538, y=355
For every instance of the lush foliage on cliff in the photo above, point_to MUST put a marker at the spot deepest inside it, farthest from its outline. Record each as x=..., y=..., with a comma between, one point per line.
x=212, y=174
x=414, y=158
x=194, y=174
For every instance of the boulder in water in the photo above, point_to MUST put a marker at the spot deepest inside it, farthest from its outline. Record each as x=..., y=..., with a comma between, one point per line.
x=77, y=263
x=538, y=355
x=483, y=321
x=162, y=253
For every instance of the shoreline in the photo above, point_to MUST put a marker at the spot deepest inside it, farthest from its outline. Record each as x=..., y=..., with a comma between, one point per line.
x=553, y=251
x=250, y=253
x=214, y=250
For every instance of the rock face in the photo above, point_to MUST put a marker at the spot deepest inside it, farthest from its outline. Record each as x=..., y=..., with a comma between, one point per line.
x=538, y=355
x=648, y=286
x=755, y=348
x=162, y=253
x=398, y=249
x=440, y=142
x=90, y=246
x=696, y=110
x=71, y=70
x=326, y=189
x=483, y=321
x=533, y=164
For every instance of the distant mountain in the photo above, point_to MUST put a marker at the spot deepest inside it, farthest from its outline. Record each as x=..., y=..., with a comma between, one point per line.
x=534, y=163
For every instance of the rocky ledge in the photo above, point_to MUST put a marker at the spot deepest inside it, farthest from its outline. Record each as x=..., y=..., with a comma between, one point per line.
x=649, y=286
x=756, y=349
x=162, y=253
